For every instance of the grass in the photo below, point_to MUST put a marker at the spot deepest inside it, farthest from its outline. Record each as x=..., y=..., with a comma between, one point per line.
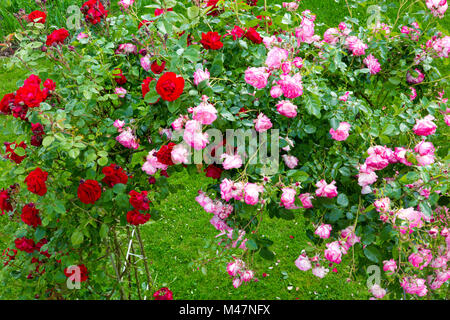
x=183, y=239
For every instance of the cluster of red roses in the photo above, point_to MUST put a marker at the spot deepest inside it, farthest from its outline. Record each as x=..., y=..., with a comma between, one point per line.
x=211, y=40
x=29, y=246
x=94, y=11
x=30, y=215
x=10, y=151
x=140, y=202
x=36, y=17
x=57, y=37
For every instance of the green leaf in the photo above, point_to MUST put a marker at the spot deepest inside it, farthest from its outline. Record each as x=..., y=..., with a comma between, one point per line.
x=193, y=12
x=48, y=140
x=77, y=237
x=119, y=188
x=251, y=245
x=266, y=254
x=103, y=231
x=342, y=200
x=74, y=153
x=372, y=253
x=312, y=104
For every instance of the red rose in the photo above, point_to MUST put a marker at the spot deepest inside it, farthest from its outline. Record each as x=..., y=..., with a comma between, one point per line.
x=10, y=151
x=164, y=154
x=7, y=103
x=159, y=12
x=36, y=182
x=253, y=36
x=50, y=85
x=214, y=11
x=169, y=86
x=114, y=175
x=37, y=128
x=144, y=22
x=57, y=37
x=5, y=203
x=156, y=68
x=30, y=215
x=213, y=172
x=24, y=244
x=89, y=191
x=94, y=11
x=30, y=94
x=20, y=112
x=211, y=40
x=80, y=271
x=163, y=294
x=33, y=16
x=139, y=201
x=36, y=140
x=134, y=217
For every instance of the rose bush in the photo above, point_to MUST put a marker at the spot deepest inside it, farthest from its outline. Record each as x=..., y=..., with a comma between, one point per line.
x=363, y=135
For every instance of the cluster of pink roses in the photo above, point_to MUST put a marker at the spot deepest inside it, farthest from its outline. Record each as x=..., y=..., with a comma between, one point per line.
x=240, y=274
x=127, y=138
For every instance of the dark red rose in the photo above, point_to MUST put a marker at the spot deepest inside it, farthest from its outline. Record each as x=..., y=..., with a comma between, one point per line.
x=156, y=68
x=20, y=112
x=94, y=11
x=159, y=12
x=114, y=175
x=50, y=85
x=213, y=172
x=211, y=40
x=35, y=15
x=139, y=201
x=253, y=36
x=78, y=273
x=10, y=151
x=164, y=173
x=169, y=86
x=37, y=128
x=30, y=215
x=163, y=294
x=151, y=180
x=5, y=202
x=36, y=182
x=7, y=103
x=134, y=217
x=119, y=77
x=57, y=37
x=36, y=140
x=213, y=11
x=164, y=154
x=89, y=191
x=24, y=244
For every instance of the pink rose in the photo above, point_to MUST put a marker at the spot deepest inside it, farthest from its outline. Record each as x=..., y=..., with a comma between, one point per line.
x=257, y=77
x=262, y=123
x=287, y=109
x=326, y=190
x=200, y=75
x=425, y=126
x=341, y=133
x=323, y=231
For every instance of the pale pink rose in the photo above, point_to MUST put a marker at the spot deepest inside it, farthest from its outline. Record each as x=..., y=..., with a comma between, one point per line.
x=290, y=161
x=331, y=36
x=288, y=197
x=424, y=148
x=333, y=252
x=303, y=263
x=290, y=6
x=178, y=123
x=121, y=92
x=400, y=155
x=180, y=154
x=269, y=41
x=200, y=75
x=119, y=125
x=377, y=291
x=233, y=268
x=152, y=164
x=366, y=176
x=262, y=123
x=390, y=265
x=205, y=113
x=372, y=63
x=231, y=161
x=291, y=85
x=276, y=92
x=415, y=78
x=414, y=286
x=286, y=67
x=383, y=204
x=425, y=160
x=421, y=259
x=425, y=126
x=146, y=63
x=305, y=198
x=251, y=193
x=128, y=139
x=305, y=32
x=287, y=109
x=320, y=272
x=437, y=7
x=290, y=144
x=341, y=133
x=237, y=282
x=326, y=190
x=323, y=231
x=378, y=158
x=247, y=275
x=82, y=35
x=275, y=57
x=257, y=77
x=125, y=4
x=226, y=189
x=298, y=62
x=126, y=48
x=194, y=136
x=355, y=45
x=218, y=223
x=411, y=217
